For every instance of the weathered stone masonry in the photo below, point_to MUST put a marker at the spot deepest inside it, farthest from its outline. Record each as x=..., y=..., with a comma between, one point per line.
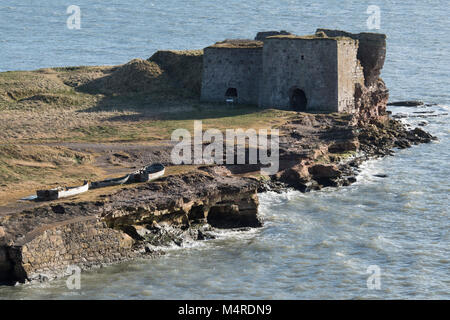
x=322, y=72
x=83, y=243
x=232, y=67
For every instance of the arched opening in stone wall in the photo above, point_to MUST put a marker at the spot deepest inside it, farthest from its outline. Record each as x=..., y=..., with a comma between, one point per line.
x=231, y=94
x=297, y=99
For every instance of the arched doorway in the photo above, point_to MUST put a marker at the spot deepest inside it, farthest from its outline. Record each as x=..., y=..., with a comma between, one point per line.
x=231, y=95
x=297, y=100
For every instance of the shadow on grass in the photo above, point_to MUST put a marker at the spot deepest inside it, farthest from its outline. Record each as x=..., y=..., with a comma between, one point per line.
x=166, y=107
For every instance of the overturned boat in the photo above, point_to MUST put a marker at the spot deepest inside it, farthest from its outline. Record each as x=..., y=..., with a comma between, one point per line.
x=145, y=174
x=58, y=193
x=148, y=173
x=110, y=182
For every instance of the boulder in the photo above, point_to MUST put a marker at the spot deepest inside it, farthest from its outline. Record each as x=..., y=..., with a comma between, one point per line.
x=296, y=177
x=410, y=103
x=422, y=134
x=344, y=146
x=328, y=171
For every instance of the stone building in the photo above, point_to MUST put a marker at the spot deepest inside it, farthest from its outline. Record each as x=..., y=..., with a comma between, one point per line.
x=321, y=72
x=232, y=69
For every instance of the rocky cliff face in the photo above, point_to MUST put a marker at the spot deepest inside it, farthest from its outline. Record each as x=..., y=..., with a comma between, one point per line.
x=320, y=151
x=43, y=242
x=325, y=150
x=371, y=101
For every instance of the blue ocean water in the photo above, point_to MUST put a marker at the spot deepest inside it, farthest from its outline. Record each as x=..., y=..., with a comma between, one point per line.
x=35, y=34
x=314, y=245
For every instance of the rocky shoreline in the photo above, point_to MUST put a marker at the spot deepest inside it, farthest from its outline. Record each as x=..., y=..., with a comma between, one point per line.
x=316, y=150
x=141, y=221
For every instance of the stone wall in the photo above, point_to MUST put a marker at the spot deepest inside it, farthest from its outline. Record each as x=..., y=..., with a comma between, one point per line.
x=84, y=243
x=371, y=51
x=324, y=70
x=225, y=68
x=260, y=36
x=307, y=64
x=350, y=73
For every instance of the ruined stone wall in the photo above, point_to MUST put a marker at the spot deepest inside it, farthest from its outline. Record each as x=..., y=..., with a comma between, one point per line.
x=225, y=68
x=371, y=51
x=306, y=64
x=260, y=36
x=81, y=243
x=349, y=74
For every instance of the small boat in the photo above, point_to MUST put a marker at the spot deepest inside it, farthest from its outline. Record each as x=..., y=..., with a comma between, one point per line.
x=110, y=182
x=149, y=173
x=58, y=193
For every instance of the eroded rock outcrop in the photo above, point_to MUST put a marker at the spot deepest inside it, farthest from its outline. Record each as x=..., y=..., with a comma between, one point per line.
x=325, y=150
x=43, y=242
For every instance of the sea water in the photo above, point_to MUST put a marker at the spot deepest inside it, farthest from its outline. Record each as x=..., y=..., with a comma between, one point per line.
x=378, y=238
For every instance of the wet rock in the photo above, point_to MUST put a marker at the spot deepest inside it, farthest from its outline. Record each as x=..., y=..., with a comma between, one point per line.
x=425, y=136
x=320, y=171
x=326, y=175
x=132, y=232
x=344, y=146
x=380, y=175
x=148, y=248
x=400, y=116
x=272, y=185
x=227, y=215
x=296, y=177
x=203, y=235
x=402, y=144
x=142, y=231
x=408, y=103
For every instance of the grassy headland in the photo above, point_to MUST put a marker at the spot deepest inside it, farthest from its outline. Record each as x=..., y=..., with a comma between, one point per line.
x=48, y=116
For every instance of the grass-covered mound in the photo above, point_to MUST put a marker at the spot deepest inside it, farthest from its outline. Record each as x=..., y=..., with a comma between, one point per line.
x=183, y=69
x=135, y=76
